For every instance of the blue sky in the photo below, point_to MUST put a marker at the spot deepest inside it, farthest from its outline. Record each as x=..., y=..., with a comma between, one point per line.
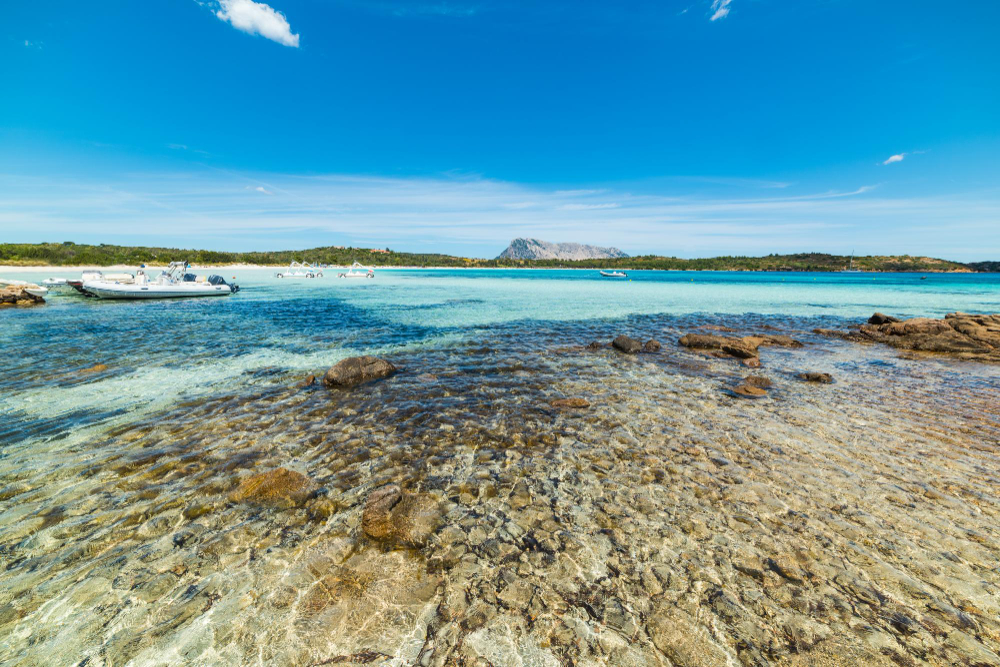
x=681, y=128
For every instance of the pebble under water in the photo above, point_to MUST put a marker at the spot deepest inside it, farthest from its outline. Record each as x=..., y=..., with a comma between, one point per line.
x=669, y=522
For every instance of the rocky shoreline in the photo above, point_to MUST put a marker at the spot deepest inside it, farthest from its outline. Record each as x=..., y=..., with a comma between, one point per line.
x=958, y=335
x=17, y=295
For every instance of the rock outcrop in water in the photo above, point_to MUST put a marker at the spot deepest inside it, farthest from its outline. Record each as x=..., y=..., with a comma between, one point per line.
x=627, y=345
x=355, y=370
x=960, y=335
x=17, y=295
x=745, y=348
x=536, y=249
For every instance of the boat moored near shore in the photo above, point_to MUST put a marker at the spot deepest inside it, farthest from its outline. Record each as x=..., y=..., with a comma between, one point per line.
x=358, y=270
x=174, y=282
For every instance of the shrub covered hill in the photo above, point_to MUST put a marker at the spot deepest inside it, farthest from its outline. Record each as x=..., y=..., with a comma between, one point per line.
x=75, y=254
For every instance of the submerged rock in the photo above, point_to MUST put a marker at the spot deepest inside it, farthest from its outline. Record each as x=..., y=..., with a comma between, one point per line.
x=398, y=518
x=355, y=370
x=279, y=488
x=627, y=345
x=570, y=403
x=821, y=378
x=652, y=345
x=758, y=381
x=595, y=345
x=750, y=391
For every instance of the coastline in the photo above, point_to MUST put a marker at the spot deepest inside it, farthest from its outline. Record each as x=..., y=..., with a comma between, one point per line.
x=42, y=268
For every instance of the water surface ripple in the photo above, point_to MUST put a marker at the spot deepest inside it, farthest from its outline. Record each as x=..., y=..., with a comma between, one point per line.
x=670, y=522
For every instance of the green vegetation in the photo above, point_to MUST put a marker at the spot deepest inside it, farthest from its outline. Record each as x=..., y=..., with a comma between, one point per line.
x=73, y=254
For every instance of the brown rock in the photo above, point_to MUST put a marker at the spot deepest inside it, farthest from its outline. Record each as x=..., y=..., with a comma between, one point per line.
x=652, y=345
x=758, y=381
x=355, y=370
x=376, y=519
x=879, y=318
x=96, y=368
x=751, y=362
x=595, y=345
x=398, y=518
x=279, y=488
x=704, y=341
x=749, y=391
x=570, y=403
x=769, y=340
x=975, y=337
x=17, y=295
x=627, y=345
x=309, y=381
x=744, y=348
x=821, y=378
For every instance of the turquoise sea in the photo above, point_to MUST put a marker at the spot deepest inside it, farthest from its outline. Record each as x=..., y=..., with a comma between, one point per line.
x=822, y=515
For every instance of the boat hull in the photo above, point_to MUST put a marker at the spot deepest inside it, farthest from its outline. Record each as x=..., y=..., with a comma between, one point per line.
x=184, y=291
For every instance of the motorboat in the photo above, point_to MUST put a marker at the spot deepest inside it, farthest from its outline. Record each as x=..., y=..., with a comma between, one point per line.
x=59, y=285
x=39, y=291
x=301, y=270
x=173, y=283
x=92, y=275
x=358, y=270
x=614, y=274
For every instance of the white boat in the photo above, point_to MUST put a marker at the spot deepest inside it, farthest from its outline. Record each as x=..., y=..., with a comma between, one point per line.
x=614, y=274
x=31, y=288
x=173, y=283
x=358, y=270
x=301, y=270
x=850, y=268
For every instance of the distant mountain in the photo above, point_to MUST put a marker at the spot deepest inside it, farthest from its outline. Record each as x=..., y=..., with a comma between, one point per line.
x=535, y=249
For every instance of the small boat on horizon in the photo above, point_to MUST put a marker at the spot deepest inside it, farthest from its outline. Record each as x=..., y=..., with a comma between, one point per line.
x=358, y=270
x=174, y=282
x=301, y=270
x=850, y=268
x=614, y=274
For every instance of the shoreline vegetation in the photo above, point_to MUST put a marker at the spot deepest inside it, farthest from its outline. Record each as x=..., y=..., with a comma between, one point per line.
x=68, y=254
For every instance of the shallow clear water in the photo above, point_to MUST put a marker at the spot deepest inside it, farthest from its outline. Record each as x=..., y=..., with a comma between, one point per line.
x=591, y=535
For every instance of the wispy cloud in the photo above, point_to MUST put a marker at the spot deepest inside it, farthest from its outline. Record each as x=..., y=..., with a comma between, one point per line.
x=898, y=157
x=720, y=9
x=478, y=216
x=587, y=207
x=258, y=18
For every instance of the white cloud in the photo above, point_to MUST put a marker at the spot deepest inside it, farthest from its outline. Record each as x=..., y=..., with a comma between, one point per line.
x=257, y=18
x=895, y=158
x=720, y=9
x=586, y=207
x=261, y=189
